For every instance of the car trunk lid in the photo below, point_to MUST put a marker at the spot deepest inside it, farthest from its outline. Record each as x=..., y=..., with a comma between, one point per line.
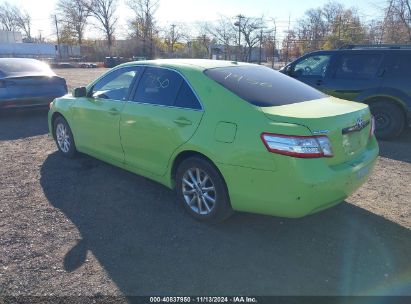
x=347, y=124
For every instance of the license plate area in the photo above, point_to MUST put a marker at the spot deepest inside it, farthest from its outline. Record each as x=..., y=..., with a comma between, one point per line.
x=353, y=142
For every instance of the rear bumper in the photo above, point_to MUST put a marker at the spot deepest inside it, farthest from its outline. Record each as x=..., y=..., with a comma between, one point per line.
x=298, y=187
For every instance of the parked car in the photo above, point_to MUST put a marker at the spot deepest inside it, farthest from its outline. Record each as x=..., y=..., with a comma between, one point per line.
x=378, y=75
x=226, y=135
x=28, y=83
x=88, y=65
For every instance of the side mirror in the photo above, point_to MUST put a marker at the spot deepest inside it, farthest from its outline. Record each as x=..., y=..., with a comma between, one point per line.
x=80, y=92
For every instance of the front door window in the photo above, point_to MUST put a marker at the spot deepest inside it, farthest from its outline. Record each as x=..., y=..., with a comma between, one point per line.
x=313, y=66
x=116, y=85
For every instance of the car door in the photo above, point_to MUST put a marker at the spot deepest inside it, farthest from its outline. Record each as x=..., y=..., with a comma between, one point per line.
x=97, y=116
x=162, y=115
x=397, y=77
x=355, y=74
x=312, y=69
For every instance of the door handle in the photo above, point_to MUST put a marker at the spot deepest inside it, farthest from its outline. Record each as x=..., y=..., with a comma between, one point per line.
x=113, y=111
x=183, y=122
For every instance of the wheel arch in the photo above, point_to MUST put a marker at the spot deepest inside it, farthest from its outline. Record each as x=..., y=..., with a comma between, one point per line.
x=183, y=155
x=54, y=116
x=398, y=103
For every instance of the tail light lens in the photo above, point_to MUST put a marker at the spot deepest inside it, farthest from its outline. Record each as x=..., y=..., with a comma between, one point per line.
x=298, y=146
x=372, y=128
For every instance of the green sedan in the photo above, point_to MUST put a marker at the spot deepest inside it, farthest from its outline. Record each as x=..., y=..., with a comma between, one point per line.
x=225, y=135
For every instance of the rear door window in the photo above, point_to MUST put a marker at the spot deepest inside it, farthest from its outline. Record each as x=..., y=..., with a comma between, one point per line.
x=158, y=86
x=399, y=66
x=165, y=87
x=262, y=86
x=186, y=98
x=357, y=66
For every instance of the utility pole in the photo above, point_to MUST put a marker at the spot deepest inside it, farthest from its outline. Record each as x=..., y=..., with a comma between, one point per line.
x=172, y=37
x=238, y=23
x=339, y=32
x=261, y=44
x=58, y=36
x=288, y=39
x=274, y=38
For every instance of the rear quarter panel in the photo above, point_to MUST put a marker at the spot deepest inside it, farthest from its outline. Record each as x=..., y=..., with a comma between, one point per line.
x=230, y=130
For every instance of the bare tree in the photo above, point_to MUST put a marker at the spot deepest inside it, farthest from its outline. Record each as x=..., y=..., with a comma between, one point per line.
x=203, y=38
x=12, y=18
x=23, y=22
x=175, y=34
x=223, y=32
x=104, y=12
x=401, y=10
x=250, y=29
x=74, y=14
x=143, y=24
x=7, y=17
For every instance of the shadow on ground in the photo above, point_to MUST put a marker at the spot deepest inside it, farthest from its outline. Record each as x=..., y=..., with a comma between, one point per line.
x=20, y=124
x=149, y=245
x=398, y=148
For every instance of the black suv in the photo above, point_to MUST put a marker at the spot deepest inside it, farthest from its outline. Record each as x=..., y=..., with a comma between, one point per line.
x=378, y=75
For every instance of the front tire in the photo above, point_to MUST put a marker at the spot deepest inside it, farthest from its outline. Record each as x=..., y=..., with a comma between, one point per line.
x=389, y=119
x=64, y=138
x=202, y=190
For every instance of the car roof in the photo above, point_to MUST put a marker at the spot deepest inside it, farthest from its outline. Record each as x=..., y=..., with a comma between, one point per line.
x=359, y=50
x=199, y=64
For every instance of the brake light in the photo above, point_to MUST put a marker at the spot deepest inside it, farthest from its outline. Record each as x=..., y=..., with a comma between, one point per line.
x=298, y=146
x=372, y=128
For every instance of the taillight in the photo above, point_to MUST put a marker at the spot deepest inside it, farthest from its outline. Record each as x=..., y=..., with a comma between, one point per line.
x=298, y=146
x=372, y=128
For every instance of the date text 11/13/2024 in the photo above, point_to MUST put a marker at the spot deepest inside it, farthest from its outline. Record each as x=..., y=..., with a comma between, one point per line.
x=237, y=299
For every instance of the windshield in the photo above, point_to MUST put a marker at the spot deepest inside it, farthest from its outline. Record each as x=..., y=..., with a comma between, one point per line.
x=262, y=86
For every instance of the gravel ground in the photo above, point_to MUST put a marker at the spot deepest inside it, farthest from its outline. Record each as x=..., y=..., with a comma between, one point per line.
x=82, y=227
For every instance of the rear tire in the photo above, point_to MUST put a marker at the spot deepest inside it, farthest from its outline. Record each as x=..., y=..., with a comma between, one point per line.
x=202, y=190
x=389, y=119
x=64, y=138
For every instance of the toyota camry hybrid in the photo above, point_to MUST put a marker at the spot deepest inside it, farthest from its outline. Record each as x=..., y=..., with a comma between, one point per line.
x=225, y=135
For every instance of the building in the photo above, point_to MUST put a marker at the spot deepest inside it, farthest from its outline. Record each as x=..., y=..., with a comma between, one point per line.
x=10, y=37
x=28, y=50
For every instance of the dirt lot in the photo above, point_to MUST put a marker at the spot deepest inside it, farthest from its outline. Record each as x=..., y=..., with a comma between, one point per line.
x=82, y=227
x=79, y=77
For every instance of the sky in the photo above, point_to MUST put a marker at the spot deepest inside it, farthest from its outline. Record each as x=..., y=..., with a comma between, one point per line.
x=191, y=11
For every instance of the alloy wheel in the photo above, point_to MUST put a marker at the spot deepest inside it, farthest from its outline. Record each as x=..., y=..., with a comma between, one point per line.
x=63, y=137
x=199, y=191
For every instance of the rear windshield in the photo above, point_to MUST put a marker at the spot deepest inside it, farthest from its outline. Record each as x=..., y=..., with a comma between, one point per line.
x=262, y=86
x=12, y=66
